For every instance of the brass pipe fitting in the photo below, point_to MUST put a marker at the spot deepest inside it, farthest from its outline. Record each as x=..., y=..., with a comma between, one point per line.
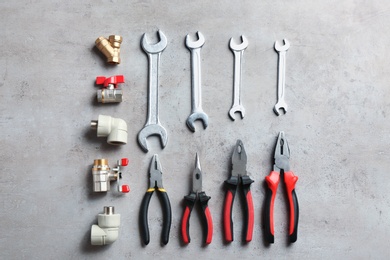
x=110, y=48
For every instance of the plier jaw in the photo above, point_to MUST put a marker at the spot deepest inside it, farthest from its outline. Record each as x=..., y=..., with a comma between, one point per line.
x=155, y=173
x=282, y=154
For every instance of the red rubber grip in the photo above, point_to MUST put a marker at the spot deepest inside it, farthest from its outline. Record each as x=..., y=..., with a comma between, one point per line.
x=290, y=179
x=209, y=224
x=185, y=225
x=251, y=217
x=227, y=216
x=273, y=181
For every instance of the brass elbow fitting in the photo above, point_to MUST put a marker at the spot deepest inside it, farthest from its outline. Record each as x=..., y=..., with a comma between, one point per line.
x=110, y=48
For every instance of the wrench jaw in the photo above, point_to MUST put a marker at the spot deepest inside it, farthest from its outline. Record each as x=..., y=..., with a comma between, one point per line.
x=239, y=47
x=237, y=109
x=154, y=48
x=279, y=106
x=195, y=44
x=150, y=130
x=279, y=47
x=197, y=116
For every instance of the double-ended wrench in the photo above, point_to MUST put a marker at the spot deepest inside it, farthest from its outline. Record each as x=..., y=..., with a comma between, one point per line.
x=196, y=87
x=282, y=50
x=238, y=51
x=153, y=125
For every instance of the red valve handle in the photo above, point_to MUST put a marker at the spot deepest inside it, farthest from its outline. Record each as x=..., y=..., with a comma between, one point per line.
x=125, y=189
x=101, y=80
x=124, y=162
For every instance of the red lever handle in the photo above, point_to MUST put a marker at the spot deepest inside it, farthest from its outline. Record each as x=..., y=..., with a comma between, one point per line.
x=114, y=80
x=124, y=162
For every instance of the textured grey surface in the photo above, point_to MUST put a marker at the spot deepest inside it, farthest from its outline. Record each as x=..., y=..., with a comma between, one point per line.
x=337, y=126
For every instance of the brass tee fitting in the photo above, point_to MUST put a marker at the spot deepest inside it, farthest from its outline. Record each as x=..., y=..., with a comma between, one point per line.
x=110, y=48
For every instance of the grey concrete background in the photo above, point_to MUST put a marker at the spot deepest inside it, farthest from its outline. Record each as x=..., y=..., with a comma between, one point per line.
x=337, y=126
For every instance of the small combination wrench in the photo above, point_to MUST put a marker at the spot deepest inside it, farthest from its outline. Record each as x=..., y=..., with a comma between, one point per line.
x=281, y=49
x=153, y=125
x=238, y=51
x=197, y=112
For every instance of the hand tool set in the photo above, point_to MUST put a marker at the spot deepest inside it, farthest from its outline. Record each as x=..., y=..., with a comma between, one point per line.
x=115, y=129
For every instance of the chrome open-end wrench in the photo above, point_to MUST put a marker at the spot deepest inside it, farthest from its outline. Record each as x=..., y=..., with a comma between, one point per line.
x=153, y=125
x=197, y=112
x=282, y=50
x=238, y=51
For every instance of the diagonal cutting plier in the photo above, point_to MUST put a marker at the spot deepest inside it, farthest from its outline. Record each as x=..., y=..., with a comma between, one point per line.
x=282, y=165
x=155, y=184
x=239, y=174
x=190, y=200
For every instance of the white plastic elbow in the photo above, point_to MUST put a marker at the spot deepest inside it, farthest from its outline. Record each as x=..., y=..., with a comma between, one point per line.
x=114, y=128
x=107, y=230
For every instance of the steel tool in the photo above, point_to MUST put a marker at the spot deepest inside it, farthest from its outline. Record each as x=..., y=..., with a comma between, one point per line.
x=282, y=50
x=190, y=200
x=281, y=166
x=155, y=184
x=197, y=112
x=238, y=50
x=239, y=174
x=153, y=125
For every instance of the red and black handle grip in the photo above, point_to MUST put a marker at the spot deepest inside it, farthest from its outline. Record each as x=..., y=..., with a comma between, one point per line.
x=231, y=185
x=249, y=212
x=272, y=181
x=290, y=179
x=190, y=201
x=167, y=216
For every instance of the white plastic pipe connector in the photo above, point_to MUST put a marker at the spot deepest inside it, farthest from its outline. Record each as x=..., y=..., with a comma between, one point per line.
x=107, y=230
x=114, y=128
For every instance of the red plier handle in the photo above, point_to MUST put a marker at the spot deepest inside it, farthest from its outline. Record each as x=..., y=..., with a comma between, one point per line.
x=232, y=184
x=190, y=201
x=272, y=181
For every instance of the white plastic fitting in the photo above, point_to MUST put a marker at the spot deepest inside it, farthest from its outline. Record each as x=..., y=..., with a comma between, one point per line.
x=107, y=230
x=114, y=128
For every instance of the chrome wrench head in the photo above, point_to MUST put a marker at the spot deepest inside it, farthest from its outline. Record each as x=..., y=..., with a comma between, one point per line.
x=153, y=126
x=195, y=44
x=239, y=47
x=149, y=130
x=281, y=49
x=154, y=48
x=197, y=116
x=237, y=109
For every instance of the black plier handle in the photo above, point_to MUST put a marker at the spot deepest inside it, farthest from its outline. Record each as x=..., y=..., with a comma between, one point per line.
x=167, y=215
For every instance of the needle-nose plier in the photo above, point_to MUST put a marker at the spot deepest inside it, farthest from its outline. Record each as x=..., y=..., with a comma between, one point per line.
x=282, y=165
x=239, y=160
x=197, y=195
x=155, y=184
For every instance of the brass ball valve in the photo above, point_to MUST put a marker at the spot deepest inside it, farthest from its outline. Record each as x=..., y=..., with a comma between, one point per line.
x=110, y=93
x=102, y=175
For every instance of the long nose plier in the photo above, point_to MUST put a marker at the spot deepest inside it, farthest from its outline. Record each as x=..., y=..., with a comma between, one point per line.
x=197, y=195
x=238, y=174
x=282, y=165
x=155, y=184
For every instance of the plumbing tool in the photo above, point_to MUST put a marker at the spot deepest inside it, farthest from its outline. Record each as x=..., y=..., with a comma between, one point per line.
x=281, y=166
x=197, y=112
x=238, y=51
x=190, y=200
x=114, y=128
x=107, y=230
x=153, y=125
x=282, y=50
x=103, y=175
x=110, y=93
x=239, y=173
x=155, y=184
x=110, y=48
